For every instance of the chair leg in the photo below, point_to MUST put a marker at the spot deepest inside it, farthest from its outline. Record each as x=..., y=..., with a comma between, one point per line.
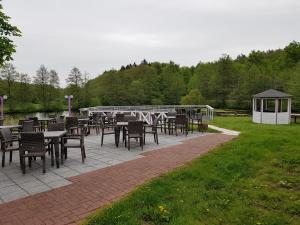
x=102, y=136
x=23, y=165
x=10, y=156
x=44, y=164
x=141, y=142
x=3, y=158
x=128, y=143
x=82, y=153
x=29, y=161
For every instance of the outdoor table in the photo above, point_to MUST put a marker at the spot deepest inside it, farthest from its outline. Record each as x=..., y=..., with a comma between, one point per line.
x=55, y=136
x=295, y=116
x=118, y=127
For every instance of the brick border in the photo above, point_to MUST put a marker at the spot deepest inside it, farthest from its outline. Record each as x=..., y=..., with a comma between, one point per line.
x=93, y=190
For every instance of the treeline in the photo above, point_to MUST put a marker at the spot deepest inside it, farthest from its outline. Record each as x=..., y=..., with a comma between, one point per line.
x=41, y=92
x=225, y=83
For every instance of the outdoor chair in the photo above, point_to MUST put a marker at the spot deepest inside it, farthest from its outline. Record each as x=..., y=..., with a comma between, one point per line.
x=106, y=129
x=135, y=130
x=128, y=118
x=56, y=127
x=169, y=123
x=153, y=130
x=60, y=119
x=74, y=141
x=181, y=122
x=72, y=124
x=36, y=124
x=7, y=144
x=27, y=126
x=196, y=119
x=95, y=122
x=120, y=117
x=32, y=145
x=159, y=122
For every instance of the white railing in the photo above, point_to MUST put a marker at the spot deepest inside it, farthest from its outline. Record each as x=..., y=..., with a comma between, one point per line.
x=144, y=112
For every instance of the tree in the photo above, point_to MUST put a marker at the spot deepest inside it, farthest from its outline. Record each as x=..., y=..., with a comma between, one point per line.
x=42, y=81
x=53, y=91
x=9, y=75
x=75, y=78
x=75, y=82
x=7, y=48
x=24, y=87
x=193, y=98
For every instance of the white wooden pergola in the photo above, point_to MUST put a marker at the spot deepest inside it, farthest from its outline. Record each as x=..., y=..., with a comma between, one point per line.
x=272, y=107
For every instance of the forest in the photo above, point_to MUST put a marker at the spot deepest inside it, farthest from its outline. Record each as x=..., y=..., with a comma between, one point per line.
x=226, y=83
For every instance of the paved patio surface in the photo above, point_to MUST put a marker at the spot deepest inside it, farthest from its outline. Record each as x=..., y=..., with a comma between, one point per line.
x=92, y=190
x=14, y=185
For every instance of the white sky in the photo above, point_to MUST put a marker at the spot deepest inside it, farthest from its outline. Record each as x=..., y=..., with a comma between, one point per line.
x=97, y=35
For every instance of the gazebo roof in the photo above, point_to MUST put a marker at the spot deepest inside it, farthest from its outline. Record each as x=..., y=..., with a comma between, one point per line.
x=271, y=93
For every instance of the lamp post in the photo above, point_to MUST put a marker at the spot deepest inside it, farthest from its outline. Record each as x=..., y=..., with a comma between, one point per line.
x=69, y=97
x=2, y=105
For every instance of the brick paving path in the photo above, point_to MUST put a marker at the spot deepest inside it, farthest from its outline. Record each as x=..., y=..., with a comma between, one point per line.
x=88, y=192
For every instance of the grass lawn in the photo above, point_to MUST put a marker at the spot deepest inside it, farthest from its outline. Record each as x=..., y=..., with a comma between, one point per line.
x=254, y=179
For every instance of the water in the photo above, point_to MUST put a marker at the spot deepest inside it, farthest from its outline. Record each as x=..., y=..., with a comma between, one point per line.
x=14, y=118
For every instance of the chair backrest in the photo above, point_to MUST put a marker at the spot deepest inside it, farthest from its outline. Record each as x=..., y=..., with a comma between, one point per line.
x=56, y=126
x=35, y=121
x=71, y=121
x=120, y=117
x=6, y=134
x=27, y=126
x=32, y=142
x=1, y=122
x=128, y=118
x=198, y=116
x=135, y=127
x=181, y=119
x=171, y=113
x=96, y=117
x=60, y=119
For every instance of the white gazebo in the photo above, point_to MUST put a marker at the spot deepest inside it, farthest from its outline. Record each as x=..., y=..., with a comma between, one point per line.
x=272, y=107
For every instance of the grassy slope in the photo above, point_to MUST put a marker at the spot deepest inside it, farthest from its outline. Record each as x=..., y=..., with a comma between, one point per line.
x=252, y=180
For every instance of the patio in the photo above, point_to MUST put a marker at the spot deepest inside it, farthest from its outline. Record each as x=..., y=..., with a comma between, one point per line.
x=15, y=185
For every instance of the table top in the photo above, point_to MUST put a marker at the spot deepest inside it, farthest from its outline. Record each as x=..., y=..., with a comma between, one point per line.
x=122, y=123
x=54, y=134
x=83, y=119
x=10, y=126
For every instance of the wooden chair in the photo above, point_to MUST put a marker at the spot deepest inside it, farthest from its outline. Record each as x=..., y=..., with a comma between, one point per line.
x=153, y=130
x=135, y=130
x=182, y=123
x=32, y=144
x=72, y=124
x=77, y=141
x=106, y=129
x=7, y=144
x=27, y=126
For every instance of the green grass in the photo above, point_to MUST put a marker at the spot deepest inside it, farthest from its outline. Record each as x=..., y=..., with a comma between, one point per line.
x=253, y=180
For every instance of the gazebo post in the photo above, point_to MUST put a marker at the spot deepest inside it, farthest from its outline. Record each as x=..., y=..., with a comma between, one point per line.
x=261, y=108
x=276, y=110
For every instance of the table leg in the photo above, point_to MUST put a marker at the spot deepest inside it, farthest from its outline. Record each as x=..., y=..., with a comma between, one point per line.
x=56, y=150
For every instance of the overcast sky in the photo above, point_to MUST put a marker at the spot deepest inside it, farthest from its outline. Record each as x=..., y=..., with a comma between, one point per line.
x=97, y=35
